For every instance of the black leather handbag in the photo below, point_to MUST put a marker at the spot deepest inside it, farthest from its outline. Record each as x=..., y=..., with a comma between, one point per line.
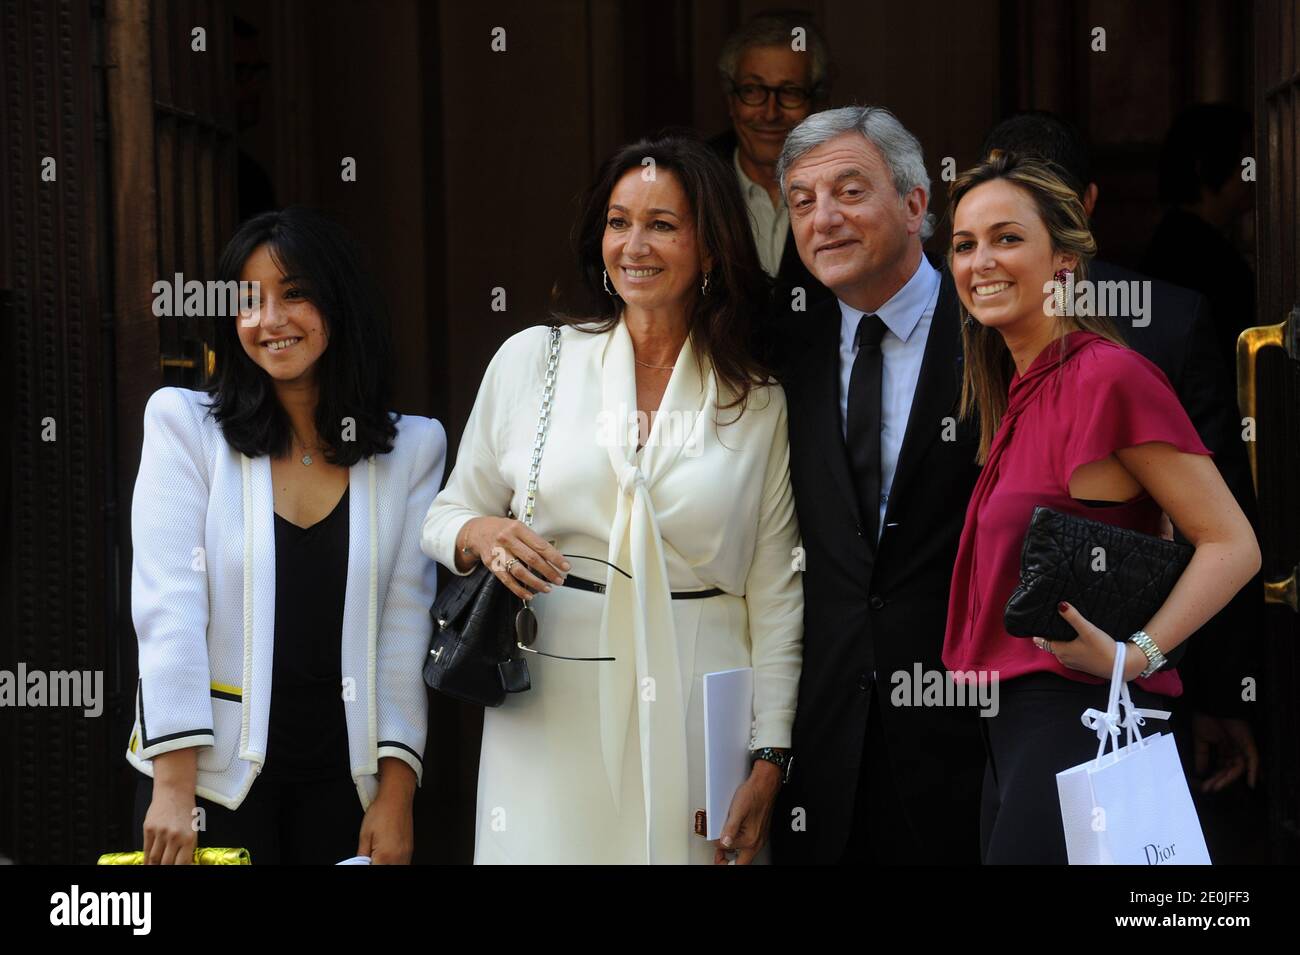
x=474, y=655
x=1117, y=578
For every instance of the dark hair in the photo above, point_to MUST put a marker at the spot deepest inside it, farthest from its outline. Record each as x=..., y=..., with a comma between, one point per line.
x=721, y=322
x=354, y=371
x=1203, y=148
x=1043, y=135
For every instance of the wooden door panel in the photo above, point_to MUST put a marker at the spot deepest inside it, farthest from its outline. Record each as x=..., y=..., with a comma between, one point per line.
x=1269, y=388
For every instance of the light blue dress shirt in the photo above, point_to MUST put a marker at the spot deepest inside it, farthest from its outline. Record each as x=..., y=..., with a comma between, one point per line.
x=907, y=317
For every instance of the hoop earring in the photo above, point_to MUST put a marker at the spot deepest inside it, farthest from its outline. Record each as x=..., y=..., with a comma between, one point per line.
x=604, y=280
x=704, y=288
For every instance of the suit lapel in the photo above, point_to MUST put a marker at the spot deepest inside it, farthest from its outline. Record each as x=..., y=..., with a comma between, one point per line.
x=821, y=381
x=790, y=261
x=937, y=391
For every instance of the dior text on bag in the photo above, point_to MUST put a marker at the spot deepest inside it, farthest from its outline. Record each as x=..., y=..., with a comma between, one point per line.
x=476, y=619
x=1117, y=578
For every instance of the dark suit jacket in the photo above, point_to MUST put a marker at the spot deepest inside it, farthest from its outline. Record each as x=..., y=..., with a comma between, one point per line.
x=1181, y=339
x=1188, y=251
x=878, y=608
x=791, y=275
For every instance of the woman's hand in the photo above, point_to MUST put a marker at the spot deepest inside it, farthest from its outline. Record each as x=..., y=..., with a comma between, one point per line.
x=515, y=554
x=750, y=815
x=170, y=836
x=1093, y=651
x=388, y=830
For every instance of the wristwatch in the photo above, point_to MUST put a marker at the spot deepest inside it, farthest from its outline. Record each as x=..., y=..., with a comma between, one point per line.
x=1155, y=659
x=781, y=759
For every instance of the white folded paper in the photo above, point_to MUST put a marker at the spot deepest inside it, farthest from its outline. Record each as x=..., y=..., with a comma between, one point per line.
x=728, y=717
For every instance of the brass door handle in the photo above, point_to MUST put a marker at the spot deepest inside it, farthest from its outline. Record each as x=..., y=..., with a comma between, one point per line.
x=1283, y=591
x=1284, y=335
x=208, y=359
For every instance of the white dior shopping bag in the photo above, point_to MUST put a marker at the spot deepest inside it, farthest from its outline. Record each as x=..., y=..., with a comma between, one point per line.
x=1130, y=806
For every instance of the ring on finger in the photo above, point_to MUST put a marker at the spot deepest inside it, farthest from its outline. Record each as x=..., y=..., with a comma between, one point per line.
x=510, y=563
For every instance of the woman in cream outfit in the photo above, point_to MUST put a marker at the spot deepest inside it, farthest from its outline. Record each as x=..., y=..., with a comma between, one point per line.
x=604, y=761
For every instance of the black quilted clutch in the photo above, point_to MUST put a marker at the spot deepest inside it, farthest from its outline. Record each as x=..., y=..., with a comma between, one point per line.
x=1117, y=578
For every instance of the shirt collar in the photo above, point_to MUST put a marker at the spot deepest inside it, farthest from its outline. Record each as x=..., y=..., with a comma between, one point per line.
x=903, y=311
x=747, y=186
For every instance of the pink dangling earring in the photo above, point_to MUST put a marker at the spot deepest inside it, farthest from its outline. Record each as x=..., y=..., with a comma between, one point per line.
x=1062, y=291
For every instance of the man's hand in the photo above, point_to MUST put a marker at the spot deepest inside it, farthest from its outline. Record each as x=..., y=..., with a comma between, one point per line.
x=1225, y=749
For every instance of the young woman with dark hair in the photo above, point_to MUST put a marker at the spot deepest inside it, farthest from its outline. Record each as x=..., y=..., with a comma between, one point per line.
x=278, y=590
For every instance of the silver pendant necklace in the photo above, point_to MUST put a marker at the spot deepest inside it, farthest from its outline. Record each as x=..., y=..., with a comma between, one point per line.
x=306, y=453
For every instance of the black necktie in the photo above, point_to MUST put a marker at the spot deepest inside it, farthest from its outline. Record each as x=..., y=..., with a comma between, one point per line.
x=863, y=425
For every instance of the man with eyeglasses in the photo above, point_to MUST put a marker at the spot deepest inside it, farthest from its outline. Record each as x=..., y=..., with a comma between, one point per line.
x=774, y=71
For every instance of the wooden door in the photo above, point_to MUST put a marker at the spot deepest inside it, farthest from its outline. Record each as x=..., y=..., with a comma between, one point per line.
x=55, y=343
x=1268, y=362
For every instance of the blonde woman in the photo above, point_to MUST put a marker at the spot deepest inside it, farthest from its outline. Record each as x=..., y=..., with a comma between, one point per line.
x=1071, y=419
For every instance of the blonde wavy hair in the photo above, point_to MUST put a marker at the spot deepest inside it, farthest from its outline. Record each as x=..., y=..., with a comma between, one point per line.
x=988, y=367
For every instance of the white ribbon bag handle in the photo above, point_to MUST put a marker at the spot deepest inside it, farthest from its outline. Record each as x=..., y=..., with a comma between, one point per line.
x=1107, y=725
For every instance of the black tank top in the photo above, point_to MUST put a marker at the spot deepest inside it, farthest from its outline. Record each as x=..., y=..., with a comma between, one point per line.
x=308, y=735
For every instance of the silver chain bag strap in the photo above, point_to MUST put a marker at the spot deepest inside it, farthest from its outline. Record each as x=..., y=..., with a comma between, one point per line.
x=478, y=623
x=543, y=426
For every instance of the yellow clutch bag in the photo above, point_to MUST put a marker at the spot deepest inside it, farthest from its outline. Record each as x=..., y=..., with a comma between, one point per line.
x=201, y=857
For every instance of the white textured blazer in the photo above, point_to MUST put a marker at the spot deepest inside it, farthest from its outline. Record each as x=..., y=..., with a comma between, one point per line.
x=203, y=599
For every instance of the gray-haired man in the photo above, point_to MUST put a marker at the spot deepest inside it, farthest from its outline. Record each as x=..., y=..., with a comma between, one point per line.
x=881, y=474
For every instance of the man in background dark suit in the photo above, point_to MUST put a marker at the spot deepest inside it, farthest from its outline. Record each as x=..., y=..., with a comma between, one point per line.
x=1178, y=333
x=881, y=473
x=770, y=88
x=1201, y=184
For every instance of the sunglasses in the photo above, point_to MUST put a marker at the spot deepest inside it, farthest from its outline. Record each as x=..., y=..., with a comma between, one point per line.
x=526, y=627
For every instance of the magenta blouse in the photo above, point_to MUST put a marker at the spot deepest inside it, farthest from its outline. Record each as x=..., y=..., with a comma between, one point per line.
x=1060, y=416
